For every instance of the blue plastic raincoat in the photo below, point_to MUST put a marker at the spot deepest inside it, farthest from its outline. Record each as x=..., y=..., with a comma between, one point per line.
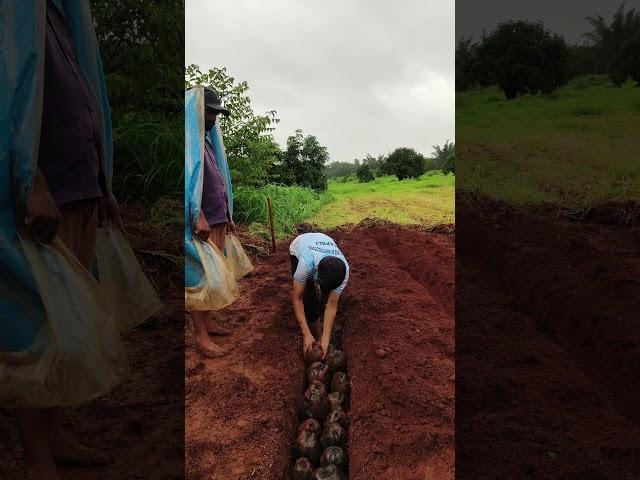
x=51, y=309
x=209, y=280
x=21, y=90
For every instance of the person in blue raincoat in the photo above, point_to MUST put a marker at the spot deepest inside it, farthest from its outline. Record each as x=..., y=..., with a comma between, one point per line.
x=56, y=181
x=215, y=218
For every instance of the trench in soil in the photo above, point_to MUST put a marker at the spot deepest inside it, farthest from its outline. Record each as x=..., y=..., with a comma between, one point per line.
x=335, y=342
x=242, y=411
x=548, y=361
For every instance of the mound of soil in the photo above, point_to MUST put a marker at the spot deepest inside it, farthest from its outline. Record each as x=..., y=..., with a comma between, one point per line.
x=241, y=409
x=399, y=339
x=548, y=346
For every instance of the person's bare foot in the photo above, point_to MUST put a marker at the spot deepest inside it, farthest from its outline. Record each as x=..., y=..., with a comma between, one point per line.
x=71, y=452
x=214, y=328
x=207, y=348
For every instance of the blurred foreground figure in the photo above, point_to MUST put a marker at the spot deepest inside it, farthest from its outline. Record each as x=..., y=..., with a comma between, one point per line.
x=60, y=341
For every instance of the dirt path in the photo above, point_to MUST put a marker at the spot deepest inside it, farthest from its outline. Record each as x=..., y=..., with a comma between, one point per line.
x=548, y=362
x=241, y=410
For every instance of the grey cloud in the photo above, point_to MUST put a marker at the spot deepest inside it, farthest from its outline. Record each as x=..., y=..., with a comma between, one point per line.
x=363, y=76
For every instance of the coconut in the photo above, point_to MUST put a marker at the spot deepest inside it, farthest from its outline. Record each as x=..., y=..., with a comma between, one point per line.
x=314, y=353
x=336, y=361
x=308, y=446
x=303, y=469
x=330, y=472
x=333, y=434
x=310, y=425
x=337, y=400
x=340, y=383
x=318, y=371
x=314, y=404
x=337, y=415
x=336, y=334
x=334, y=456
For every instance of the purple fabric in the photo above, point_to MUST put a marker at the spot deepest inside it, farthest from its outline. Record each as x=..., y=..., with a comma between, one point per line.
x=215, y=200
x=70, y=138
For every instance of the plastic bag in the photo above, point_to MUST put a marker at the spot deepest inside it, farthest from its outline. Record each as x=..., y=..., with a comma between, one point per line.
x=236, y=256
x=218, y=287
x=79, y=354
x=129, y=293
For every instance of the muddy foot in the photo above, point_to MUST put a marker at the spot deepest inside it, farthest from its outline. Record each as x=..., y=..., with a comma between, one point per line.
x=216, y=329
x=207, y=348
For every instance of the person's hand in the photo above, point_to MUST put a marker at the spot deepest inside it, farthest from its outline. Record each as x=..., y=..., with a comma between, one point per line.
x=109, y=211
x=202, y=228
x=324, y=343
x=42, y=216
x=307, y=343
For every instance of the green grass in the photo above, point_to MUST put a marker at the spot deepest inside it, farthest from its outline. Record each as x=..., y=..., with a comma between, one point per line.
x=576, y=147
x=291, y=206
x=148, y=157
x=428, y=200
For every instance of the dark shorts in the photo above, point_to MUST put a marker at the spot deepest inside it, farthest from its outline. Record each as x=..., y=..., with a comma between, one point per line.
x=311, y=302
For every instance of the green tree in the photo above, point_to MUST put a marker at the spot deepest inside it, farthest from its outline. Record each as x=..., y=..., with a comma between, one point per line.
x=610, y=39
x=303, y=162
x=340, y=169
x=430, y=164
x=248, y=138
x=523, y=57
x=141, y=51
x=365, y=174
x=406, y=163
x=444, y=157
x=375, y=163
x=465, y=58
x=626, y=64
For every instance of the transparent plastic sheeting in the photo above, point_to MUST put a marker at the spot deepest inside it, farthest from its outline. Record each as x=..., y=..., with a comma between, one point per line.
x=59, y=333
x=210, y=275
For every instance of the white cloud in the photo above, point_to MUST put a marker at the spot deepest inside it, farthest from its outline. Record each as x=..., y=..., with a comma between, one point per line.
x=364, y=76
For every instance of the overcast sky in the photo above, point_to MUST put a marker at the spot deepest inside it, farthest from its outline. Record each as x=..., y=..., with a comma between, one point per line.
x=363, y=76
x=565, y=17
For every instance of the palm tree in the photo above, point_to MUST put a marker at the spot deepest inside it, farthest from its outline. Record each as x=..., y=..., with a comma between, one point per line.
x=445, y=157
x=608, y=38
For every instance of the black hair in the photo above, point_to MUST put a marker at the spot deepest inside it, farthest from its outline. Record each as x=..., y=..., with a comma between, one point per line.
x=331, y=273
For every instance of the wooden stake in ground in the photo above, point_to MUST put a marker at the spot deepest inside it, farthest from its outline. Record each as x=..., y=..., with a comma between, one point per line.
x=273, y=235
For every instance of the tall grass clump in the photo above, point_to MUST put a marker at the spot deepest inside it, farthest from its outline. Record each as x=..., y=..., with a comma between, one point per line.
x=148, y=157
x=291, y=205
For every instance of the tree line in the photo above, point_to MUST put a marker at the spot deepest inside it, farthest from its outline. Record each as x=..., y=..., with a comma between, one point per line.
x=524, y=57
x=403, y=162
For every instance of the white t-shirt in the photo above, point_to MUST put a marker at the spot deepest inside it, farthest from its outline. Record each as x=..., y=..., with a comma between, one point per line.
x=309, y=249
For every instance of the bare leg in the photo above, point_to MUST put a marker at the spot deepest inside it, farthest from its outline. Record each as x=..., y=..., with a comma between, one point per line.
x=206, y=346
x=77, y=231
x=214, y=328
x=65, y=449
x=35, y=442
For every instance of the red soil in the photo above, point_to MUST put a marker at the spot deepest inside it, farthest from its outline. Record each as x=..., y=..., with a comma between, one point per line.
x=548, y=346
x=241, y=410
x=141, y=423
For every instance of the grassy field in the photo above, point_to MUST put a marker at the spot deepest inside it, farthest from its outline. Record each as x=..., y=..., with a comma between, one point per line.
x=576, y=147
x=291, y=205
x=428, y=200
